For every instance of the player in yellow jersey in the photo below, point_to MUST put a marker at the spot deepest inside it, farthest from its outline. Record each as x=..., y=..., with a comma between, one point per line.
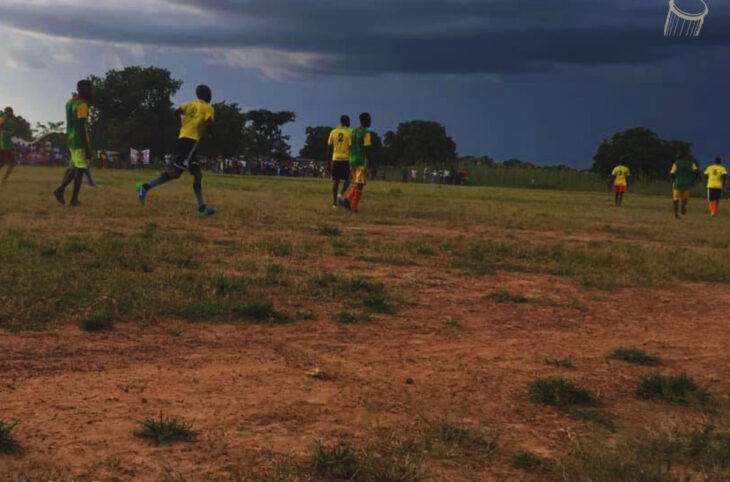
x=196, y=119
x=716, y=177
x=338, y=152
x=620, y=174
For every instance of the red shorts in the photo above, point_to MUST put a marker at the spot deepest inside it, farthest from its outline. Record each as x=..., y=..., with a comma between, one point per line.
x=7, y=156
x=619, y=189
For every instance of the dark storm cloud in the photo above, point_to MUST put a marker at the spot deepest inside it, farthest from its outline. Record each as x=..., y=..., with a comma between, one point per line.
x=416, y=36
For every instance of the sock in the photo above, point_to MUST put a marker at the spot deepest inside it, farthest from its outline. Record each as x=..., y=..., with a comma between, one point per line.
x=198, y=188
x=351, y=194
x=356, y=200
x=714, y=207
x=161, y=179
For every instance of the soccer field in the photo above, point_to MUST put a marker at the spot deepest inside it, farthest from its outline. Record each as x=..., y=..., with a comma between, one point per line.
x=442, y=333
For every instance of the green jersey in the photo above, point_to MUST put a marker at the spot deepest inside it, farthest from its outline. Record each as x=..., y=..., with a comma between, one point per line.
x=361, y=138
x=77, y=135
x=7, y=129
x=684, y=173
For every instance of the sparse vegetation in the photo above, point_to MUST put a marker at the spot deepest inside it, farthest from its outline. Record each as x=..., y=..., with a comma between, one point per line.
x=8, y=443
x=507, y=297
x=445, y=432
x=528, y=461
x=559, y=392
x=163, y=430
x=679, y=389
x=560, y=362
x=331, y=231
x=100, y=322
x=349, y=318
x=336, y=462
x=634, y=355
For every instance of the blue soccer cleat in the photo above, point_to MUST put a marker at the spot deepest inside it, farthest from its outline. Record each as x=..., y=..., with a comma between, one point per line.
x=141, y=194
x=207, y=213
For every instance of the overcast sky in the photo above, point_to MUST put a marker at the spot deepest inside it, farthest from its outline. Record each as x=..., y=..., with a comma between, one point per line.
x=542, y=80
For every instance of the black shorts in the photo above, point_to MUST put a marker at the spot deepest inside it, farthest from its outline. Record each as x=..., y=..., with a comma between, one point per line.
x=341, y=170
x=714, y=194
x=186, y=155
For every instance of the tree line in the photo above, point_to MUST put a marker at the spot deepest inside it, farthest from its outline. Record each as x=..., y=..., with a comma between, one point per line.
x=132, y=107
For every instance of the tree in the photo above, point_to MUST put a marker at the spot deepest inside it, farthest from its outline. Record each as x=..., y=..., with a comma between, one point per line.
x=315, y=145
x=264, y=138
x=420, y=142
x=228, y=137
x=23, y=130
x=132, y=108
x=642, y=150
x=516, y=163
x=53, y=132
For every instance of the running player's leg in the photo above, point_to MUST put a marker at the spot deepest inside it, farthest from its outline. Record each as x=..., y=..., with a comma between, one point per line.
x=89, y=178
x=184, y=150
x=203, y=210
x=675, y=202
x=685, y=201
x=78, y=180
x=335, y=191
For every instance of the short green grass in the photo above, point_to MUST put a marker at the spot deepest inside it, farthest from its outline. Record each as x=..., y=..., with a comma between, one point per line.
x=677, y=389
x=276, y=237
x=349, y=318
x=99, y=322
x=634, y=355
x=165, y=430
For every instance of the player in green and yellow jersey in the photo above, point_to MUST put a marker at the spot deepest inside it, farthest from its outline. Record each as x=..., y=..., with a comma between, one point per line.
x=338, y=151
x=7, y=130
x=716, y=177
x=620, y=174
x=360, y=155
x=683, y=173
x=77, y=135
x=196, y=119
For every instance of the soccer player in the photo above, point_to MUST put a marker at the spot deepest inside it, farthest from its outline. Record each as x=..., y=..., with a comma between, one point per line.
x=7, y=129
x=196, y=119
x=620, y=175
x=338, y=150
x=77, y=135
x=360, y=155
x=683, y=173
x=716, y=177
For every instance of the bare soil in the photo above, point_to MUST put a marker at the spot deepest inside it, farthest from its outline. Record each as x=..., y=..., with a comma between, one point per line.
x=78, y=396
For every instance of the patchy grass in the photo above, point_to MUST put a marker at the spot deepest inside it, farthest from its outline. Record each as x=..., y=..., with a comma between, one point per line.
x=507, y=297
x=559, y=392
x=560, y=362
x=677, y=389
x=700, y=454
x=379, y=303
x=331, y=231
x=164, y=430
x=528, y=462
x=336, y=462
x=445, y=432
x=100, y=322
x=305, y=315
x=253, y=312
x=350, y=318
x=8, y=443
x=634, y=355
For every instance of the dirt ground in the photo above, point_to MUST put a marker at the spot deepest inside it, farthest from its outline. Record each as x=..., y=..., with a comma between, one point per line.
x=78, y=396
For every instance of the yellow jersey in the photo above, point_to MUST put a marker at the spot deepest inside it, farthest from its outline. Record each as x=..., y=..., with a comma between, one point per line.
x=196, y=117
x=715, y=174
x=621, y=175
x=340, y=139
